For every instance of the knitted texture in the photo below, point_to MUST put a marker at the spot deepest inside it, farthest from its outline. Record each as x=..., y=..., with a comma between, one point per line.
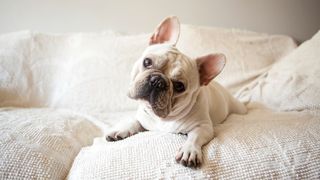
x=260, y=145
x=41, y=143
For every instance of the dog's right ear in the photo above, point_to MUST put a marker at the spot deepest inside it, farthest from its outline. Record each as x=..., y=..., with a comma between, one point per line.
x=168, y=31
x=210, y=66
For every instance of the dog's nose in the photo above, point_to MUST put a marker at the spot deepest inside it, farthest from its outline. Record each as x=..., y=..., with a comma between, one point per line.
x=156, y=81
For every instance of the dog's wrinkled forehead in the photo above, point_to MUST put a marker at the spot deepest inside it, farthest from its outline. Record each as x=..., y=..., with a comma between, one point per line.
x=172, y=63
x=167, y=57
x=160, y=49
x=162, y=55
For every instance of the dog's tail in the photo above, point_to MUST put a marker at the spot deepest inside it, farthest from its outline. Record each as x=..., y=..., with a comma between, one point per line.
x=238, y=107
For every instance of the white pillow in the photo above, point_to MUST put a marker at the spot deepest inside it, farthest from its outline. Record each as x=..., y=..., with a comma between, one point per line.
x=249, y=54
x=78, y=71
x=16, y=76
x=41, y=143
x=96, y=75
x=292, y=83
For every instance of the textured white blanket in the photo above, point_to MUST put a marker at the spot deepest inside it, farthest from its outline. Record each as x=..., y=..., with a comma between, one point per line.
x=41, y=143
x=260, y=145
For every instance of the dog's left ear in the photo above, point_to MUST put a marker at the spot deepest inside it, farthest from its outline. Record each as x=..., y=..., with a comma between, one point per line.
x=168, y=31
x=210, y=66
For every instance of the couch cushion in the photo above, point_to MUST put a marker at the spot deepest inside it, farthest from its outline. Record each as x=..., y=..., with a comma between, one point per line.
x=292, y=83
x=41, y=143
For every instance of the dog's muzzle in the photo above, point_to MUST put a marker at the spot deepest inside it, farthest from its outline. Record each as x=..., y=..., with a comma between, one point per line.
x=153, y=88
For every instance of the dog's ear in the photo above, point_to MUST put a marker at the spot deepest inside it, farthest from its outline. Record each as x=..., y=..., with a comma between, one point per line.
x=168, y=31
x=210, y=66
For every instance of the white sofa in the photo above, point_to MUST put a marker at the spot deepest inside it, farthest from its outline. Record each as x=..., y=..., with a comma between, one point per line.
x=59, y=93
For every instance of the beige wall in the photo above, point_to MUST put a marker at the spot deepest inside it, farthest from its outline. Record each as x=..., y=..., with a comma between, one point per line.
x=298, y=18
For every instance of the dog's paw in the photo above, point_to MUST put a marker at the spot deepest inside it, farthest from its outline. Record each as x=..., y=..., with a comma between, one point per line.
x=189, y=155
x=121, y=131
x=118, y=135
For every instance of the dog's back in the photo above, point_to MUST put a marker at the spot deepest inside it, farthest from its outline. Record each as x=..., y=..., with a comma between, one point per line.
x=222, y=103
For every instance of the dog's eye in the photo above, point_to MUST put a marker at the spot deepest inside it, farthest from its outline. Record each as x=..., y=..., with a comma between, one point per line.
x=147, y=62
x=178, y=86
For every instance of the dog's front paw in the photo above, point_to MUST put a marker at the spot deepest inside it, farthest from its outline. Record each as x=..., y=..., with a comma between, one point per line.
x=121, y=131
x=189, y=155
x=118, y=135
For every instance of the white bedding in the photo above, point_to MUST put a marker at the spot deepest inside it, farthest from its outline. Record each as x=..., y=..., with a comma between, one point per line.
x=41, y=143
x=78, y=82
x=260, y=145
x=292, y=83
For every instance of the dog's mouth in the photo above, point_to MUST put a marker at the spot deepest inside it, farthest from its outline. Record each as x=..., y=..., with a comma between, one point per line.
x=157, y=101
x=152, y=97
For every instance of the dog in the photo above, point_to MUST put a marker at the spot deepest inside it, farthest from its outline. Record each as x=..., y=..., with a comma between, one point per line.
x=177, y=94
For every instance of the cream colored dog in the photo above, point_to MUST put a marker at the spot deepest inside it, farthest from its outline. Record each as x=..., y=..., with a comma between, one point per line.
x=177, y=94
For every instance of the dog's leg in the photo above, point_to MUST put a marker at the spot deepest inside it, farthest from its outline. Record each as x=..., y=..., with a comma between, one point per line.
x=122, y=131
x=190, y=154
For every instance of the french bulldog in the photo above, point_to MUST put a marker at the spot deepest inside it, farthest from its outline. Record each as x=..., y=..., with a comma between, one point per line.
x=177, y=94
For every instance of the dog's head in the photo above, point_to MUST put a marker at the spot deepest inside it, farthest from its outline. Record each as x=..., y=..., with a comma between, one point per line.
x=166, y=79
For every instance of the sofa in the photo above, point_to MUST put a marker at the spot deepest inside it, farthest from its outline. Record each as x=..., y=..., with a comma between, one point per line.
x=59, y=94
